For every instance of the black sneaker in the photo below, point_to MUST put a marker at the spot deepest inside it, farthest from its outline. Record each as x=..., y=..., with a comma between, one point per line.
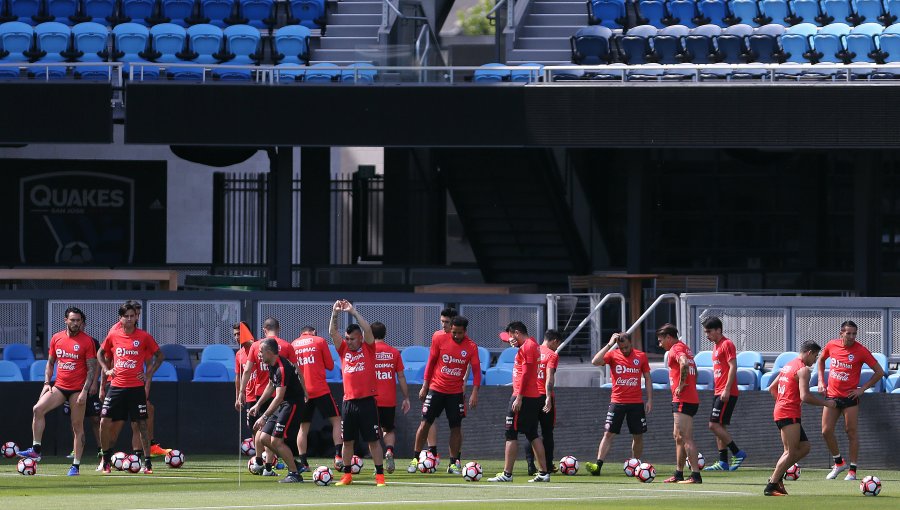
x=291, y=478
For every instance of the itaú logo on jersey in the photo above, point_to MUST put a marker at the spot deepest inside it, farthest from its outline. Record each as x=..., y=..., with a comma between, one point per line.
x=446, y=358
x=121, y=351
x=63, y=354
x=841, y=364
x=126, y=363
x=68, y=365
x=455, y=372
x=622, y=369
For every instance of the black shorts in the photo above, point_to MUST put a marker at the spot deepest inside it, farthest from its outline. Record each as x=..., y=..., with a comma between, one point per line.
x=547, y=420
x=121, y=403
x=844, y=402
x=526, y=420
x=324, y=403
x=278, y=423
x=360, y=417
x=436, y=403
x=67, y=393
x=790, y=421
x=387, y=418
x=721, y=411
x=685, y=408
x=93, y=405
x=633, y=413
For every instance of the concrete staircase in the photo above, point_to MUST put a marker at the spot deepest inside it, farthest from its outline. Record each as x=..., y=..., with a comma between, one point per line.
x=351, y=35
x=543, y=33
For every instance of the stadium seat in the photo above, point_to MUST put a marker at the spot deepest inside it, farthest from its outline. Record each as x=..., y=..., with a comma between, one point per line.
x=414, y=356
x=838, y=11
x=62, y=11
x=869, y=11
x=783, y=359
x=590, y=46
x=660, y=378
x=732, y=43
x=883, y=361
x=890, y=47
x=705, y=379
x=507, y=358
x=291, y=48
x=891, y=11
x=668, y=44
x=715, y=12
x=309, y=13
x=179, y=12
x=776, y=11
x=807, y=11
x=682, y=12
x=130, y=45
x=528, y=75
x=608, y=13
x=496, y=376
x=752, y=361
x=764, y=44
x=652, y=12
x=180, y=358
x=797, y=45
x=414, y=375
x=488, y=73
x=166, y=373
x=863, y=45
x=212, y=371
x=744, y=11
x=20, y=355
x=203, y=47
x=241, y=49
x=896, y=390
x=484, y=358
x=89, y=44
x=322, y=72
x=25, y=11
x=335, y=374
x=38, y=369
x=138, y=11
x=747, y=379
x=219, y=13
x=10, y=372
x=703, y=359
x=865, y=376
x=51, y=45
x=829, y=44
x=219, y=353
x=99, y=11
x=634, y=46
x=168, y=42
x=814, y=378
x=257, y=13
x=892, y=383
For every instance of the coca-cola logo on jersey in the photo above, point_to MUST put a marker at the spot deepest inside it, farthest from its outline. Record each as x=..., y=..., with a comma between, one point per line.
x=456, y=372
x=68, y=365
x=355, y=368
x=126, y=363
x=446, y=358
x=631, y=381
x=121, y=351
x=63, y=354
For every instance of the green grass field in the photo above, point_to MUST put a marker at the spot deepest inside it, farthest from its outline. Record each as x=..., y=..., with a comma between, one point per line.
x=216, y=482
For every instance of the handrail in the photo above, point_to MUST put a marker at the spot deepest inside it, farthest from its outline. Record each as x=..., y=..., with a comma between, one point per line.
x=660, y=299
x=510, y=13
x=385, y=17
x=598, y=306
x=496, y=7
x=422, y=53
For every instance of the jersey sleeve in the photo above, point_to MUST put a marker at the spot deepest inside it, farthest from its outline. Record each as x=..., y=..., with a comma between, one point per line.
x=325, y=352
x=432, y=358
x=51, y=351
x=106, y=346
x=90, y=350
x=238, y=366
x=152, y=346
x=608, y=357
x=553, y=362
x=476, y=367
x=730, y=352
x=645, y=365
x=870, y=360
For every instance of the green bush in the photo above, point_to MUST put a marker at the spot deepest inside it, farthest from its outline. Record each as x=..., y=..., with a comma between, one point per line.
x=473, y=20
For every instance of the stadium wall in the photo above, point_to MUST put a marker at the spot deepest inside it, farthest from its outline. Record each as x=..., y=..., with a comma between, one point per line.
x=199, y=418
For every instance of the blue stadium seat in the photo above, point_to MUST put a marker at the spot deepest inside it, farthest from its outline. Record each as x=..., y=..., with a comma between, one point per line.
x=166, y=373
x=865, y=376
x=99, y=11
x=322, y=72
x=652, y=12
x=705, y=379
x=869, y=11
x=212, y=371
x=776, y=11
x=203, y=46
x=217, y=12
x=484, y=358
x=889, y=43
x=180, y=358
x=359, y=72
x=590, y=45
x=130, y=42
x=807, y=11
x=489, y=73
x=179, y=12
x=138, y=11
x=892, y=11
x=25, y=11
x=715, y=12
x=814, y=378
x=892, y=383
x=668, y=44
x=496, y=376
x=414, y=375
x=527, y=75
x=863, y=46
x=744, y=11
x=797, y=44
x=634, y=46
x=783, y=359
x=703, y=359
x=750, y=359
x=683, y=12
x=659, y=377
x=62, y=11
x=257, y=13
x=701, y=47
x=732, y=43
x=309, y=13
x=747, y=379
x=507, y=358
x=38, y=369
x=608, y=13
x=89, y=44
x=9, y=372
x=335, y=374
x=218, y=353
x=414, y=355
x=168, y=40
x=839, y=11
x=765, y=44
x=291, y=48
x=51, y=44
x=879, y=357
x=829, y=42
x=241, y=49
x=20, y=355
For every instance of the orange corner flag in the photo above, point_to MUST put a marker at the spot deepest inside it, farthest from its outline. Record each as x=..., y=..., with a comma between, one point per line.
x=245, y=334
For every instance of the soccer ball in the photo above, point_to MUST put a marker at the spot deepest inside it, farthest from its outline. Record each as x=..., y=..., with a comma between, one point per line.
x=276, y=462
x=253, y=467
x=472, y=472
x=568, y=465
x=322, y=475
x=356, y=465
x=792, y=472
x=645, y=472
x=248, y=447
x=700, y=460
x=631, y=466
x=118, y=461
x=132, y=464
x=10, y=449
x=427, y=462
x=175, y=459
x=28, y=466
x=869, y=486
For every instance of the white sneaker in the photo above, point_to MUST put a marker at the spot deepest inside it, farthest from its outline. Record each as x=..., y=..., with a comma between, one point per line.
x=269, y=473
x=836, y=470
x=501, y=477
x=851, y=475
x=100, y=466
x=413, y=466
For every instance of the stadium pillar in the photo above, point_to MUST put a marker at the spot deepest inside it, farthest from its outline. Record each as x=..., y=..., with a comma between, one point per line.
x=867, y=226
x=315, y=222
x=280, y=216
x=414, y=209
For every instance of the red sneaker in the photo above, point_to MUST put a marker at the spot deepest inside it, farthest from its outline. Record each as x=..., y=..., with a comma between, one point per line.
x=379, y=481
x=673, y=479
x=347, y=479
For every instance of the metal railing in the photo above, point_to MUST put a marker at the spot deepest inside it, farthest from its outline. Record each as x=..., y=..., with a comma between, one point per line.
x=113, y=69
x=510, y=13
x=590, y=317
x=652, y=307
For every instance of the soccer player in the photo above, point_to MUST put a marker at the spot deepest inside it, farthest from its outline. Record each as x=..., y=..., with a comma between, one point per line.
x=122, y=356
x=244, y=338
x=314, y=359
x=287, y=385
x=626, y=367
x=359, y=413
x=685, y=401
x=790, y=388
x=73, y=353
x=524, y=406
x=388, y=372
x=447, y=315
x=546, y=380
x=724, y=356
x=847, y=358
x=444, y=386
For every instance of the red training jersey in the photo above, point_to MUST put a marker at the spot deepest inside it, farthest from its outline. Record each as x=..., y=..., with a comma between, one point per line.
x=525, y=369
x=260, y=371
x=445, y=370
x=71, y=353
x=387, y=365
x=787, y=400
x=721, y=355
x=358, y=368
x=314, y=358
x=128, y=353
x=626, y=373
x=846, y=364
x=689, y=392
x=240, y=359
x=548, y=360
